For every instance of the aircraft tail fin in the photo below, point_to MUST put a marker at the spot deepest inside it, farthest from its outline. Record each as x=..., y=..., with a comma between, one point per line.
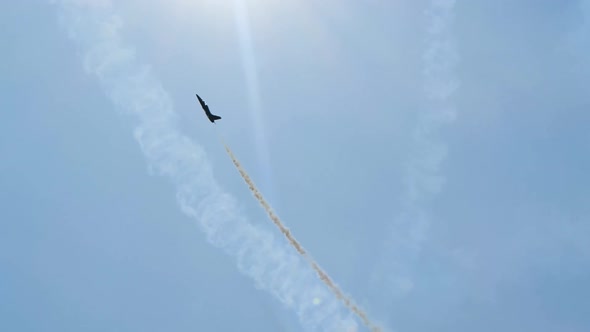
x=215, y=117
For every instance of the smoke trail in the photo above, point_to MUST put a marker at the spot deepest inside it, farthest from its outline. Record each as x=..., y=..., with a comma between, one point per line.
x=422, y=179
x=275, y=219
x=133, y=89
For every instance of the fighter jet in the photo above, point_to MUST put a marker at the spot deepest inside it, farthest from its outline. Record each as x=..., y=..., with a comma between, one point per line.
x=212, y=117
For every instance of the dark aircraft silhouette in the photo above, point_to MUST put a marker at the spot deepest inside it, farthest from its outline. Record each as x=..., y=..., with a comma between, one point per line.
x=212, y=117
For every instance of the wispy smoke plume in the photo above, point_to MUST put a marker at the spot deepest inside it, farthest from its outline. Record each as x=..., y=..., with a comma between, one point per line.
x=422, y=179
x=287, y=233
x=134, y=90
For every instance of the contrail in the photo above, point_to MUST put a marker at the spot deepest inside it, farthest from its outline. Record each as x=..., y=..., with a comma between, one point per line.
x=275, y=219
x=134, y=89
x=422, y=178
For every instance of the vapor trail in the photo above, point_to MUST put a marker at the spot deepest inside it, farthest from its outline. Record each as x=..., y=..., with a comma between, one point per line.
x=275, y=219
x=422, y=178
x=135, y=90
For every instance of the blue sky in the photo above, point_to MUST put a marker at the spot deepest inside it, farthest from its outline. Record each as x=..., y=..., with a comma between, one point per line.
x=430, y=155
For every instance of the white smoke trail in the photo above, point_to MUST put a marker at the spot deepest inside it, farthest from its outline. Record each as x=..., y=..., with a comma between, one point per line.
x=422, y=178
x=269, y=262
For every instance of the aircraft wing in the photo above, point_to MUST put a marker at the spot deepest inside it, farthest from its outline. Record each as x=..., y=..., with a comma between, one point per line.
x=203, y=105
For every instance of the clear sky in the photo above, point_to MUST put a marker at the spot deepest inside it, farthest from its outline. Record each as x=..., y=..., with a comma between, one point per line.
x=432, y=156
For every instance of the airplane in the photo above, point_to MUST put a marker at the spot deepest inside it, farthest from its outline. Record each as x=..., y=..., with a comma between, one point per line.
x=211, y=117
